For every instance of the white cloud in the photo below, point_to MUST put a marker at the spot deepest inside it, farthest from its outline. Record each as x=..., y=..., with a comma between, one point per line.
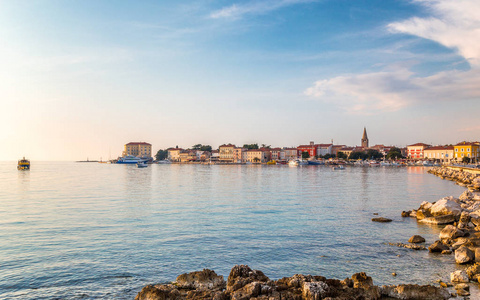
x=374, y=93
x=454, y=24
x=236, y=11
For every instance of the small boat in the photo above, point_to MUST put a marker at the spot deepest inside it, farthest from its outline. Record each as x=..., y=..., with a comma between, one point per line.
x=315, y=162
x=23, y=164
x=272, y=162
x=293, y=163
x=142, y=164
x=340, y=167
x=427, y=163
x=164, y=162
x=302, y=162
x=385, y=164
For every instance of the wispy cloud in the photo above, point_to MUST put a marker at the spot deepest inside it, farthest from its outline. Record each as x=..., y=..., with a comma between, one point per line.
x=236, y=11
x=454, y=24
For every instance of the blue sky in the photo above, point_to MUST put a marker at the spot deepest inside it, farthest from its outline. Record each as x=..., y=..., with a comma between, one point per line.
x=82, y=78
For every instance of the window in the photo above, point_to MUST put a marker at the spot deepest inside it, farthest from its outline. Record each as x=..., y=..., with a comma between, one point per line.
x=456, y=149
x=462, y=150
x=468, y=149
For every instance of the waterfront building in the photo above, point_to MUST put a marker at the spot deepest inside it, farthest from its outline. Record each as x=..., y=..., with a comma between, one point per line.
x=256, y=156
x=187, y=156
x=276, y=153
x=315, y=149
x=443, y=154
x=238, y=154
x=138, y=149
x=467, y=149
x=290, y=153
x=415, y=151
x=174, y=153
x=382, y=149
x=337, y=148
x=364, y=138
x=226, y=153
x=215, y=155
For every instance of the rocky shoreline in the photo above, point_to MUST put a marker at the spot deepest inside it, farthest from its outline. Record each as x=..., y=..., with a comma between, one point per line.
x=244, y=283
x=462, y=176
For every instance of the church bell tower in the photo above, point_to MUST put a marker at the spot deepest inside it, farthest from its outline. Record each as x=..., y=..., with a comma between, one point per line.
x=365, y=138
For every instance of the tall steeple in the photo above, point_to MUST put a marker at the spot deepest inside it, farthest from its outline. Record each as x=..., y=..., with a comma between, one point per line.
x=365, y=138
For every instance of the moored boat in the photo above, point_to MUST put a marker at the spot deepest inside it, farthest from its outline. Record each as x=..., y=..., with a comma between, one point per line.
x=130, y=159
x=23, y=164
x=142, y=164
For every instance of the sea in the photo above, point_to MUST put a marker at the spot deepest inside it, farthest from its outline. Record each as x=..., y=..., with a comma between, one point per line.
x=103, y=231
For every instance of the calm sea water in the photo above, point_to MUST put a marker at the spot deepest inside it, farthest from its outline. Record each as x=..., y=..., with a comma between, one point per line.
x=101, y=231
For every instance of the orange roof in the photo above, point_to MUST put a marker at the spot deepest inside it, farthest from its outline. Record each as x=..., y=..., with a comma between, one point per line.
x=464, y=143
x=227, y=145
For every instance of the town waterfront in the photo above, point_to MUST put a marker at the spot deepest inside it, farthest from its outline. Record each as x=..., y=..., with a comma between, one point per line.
x=89, y=230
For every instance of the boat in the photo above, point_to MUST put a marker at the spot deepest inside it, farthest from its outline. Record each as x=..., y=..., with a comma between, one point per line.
x=315, y=162
x=130, y=159
x=293, y=163
x=23, y=164
x=302, y=162
x=427, y=163
x=339, y=167
x=374, y=163
x=164, y=162
x=272, y=162
x=142, y=164
x=385, y=164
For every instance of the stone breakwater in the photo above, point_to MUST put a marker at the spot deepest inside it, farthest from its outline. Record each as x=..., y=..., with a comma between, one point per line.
x=244, y=283
x=460, y=235
x=465, y=177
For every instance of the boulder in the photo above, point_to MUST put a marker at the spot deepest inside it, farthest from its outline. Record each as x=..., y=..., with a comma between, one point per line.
x=439, y=220
x=459, y=276
x=445, y=206
x=464, y=255
x=381, y=220
x=416, y=239
x=477, y=254
x=361, y=280
x=438, y=246
x=201, y=280
x=164, y=292
x=241, y=275
x=450, y=232
x=414, y=291
x=314, y=290
x=406, y=214
x=473, y=270
x=467, y=195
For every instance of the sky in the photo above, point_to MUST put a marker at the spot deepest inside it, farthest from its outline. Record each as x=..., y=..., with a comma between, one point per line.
x=79, y=79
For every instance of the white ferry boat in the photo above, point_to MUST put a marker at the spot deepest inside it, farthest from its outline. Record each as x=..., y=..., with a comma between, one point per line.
x=130, y=159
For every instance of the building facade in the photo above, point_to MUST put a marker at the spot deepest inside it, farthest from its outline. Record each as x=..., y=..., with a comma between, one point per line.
x=365, y=138
x=467, y=149
x=138, y=149
x=174, y=154
x=415, y=151
x=443, y=154
x=226, y=153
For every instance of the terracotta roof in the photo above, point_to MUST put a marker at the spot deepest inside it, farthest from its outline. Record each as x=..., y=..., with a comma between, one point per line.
x=466, y=143
x=419, y=144
x=440, y=148
x=227, y=145
x=138, y=143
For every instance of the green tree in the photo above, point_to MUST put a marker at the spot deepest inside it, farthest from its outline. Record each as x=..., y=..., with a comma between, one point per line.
x=374, y=154
x=206, y=148
x=357, y=155
x=305, y=155
x=341, y=155
x=466, y=160
x=394, y=153
x=328, y=156
x=251, y=146
x=256, y=159
x=161, y=154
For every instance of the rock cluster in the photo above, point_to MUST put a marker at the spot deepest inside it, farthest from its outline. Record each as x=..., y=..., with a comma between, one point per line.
x=244, y=283
x=468, y=179
x=461, y=234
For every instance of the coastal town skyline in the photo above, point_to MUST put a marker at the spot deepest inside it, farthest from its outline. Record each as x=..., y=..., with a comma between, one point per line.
x=82, y=79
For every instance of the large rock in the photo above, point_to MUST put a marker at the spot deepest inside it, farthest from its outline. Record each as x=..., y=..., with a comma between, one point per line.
x=459, y=276
x=241, y=275
x=467, y=195
x=450, y=232
x=416, y=239
x=206, y=279
x=414, y=291
x=381, y=220
x=314, y=290
x=163, y=292
x=438, y=246
x=473, y=271
x=445, y=206
x=464, y=255
x=439, y=220
x=362, y=281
